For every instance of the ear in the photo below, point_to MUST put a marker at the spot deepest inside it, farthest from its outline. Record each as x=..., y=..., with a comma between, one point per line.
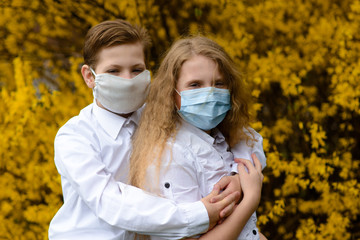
x=88, y=76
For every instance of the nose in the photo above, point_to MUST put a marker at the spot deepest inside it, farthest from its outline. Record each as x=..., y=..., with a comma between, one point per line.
x=126, y=75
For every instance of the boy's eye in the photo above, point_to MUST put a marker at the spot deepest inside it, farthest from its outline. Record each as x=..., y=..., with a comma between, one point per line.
x=112, y=71
x=138, y=70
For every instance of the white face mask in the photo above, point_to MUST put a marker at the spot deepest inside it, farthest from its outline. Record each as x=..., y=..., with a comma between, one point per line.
x=121, y=95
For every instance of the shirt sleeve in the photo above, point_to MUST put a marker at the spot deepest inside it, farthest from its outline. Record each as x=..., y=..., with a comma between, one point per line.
x=78, y=159
x=242, y=150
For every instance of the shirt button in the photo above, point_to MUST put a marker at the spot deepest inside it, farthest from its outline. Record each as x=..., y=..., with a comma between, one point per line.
x=167, y=185
x=231, y=165
x=254, y=232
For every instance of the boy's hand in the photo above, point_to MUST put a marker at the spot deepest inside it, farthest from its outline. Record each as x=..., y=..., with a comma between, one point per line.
x=222, y=208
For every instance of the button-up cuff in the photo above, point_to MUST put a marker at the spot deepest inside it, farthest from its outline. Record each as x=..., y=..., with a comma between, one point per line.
x=198, y=217
x=234, y=168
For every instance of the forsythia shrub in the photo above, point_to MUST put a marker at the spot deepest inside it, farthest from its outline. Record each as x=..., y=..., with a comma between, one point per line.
x=301, y=59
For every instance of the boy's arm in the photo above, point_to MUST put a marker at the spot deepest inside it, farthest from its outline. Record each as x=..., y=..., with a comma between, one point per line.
x=125, y=206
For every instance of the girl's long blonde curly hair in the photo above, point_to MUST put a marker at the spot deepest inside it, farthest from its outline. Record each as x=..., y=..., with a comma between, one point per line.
x=160, y=118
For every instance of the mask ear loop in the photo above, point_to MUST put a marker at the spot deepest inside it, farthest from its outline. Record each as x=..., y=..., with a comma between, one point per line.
x=213, y=82
x=94, y=75
x=93, y=72
x=180, y=97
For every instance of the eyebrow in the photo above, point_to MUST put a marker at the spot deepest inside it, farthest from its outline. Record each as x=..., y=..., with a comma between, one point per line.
x=139, y=65
x=202, y=80
x=119, y=66
x=220, y=79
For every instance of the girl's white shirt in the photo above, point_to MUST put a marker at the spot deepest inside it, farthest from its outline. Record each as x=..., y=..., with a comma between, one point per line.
x=194, y=162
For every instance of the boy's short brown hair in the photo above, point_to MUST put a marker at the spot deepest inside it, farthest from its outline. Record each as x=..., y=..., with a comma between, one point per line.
x=113, y=33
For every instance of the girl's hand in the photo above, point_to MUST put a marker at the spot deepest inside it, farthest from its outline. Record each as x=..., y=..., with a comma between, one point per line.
x=251, y=179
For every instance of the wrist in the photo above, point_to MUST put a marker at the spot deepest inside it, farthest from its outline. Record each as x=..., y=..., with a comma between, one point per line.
x=251, y=201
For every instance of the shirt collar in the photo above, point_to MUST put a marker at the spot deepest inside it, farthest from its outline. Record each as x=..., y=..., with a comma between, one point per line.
x=214, y=137
x=111, y=122
x=135, y=117
x=218, y=136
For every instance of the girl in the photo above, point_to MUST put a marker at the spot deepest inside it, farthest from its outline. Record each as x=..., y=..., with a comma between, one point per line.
x=197, y=105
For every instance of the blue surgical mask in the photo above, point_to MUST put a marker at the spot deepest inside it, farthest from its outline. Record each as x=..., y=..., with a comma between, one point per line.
x=204, y=108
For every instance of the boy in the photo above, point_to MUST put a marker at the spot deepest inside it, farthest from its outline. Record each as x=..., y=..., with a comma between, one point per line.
x=92, y=151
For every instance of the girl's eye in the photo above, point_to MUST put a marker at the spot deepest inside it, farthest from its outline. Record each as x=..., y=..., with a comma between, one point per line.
x=220, y=84
x=194, y=84
x=138, y=70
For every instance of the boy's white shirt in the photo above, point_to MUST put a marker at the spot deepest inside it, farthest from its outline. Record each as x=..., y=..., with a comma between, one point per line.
x=194, y=162
x=100, y=205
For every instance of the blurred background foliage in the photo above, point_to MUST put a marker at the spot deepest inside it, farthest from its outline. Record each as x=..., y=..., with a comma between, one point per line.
x=301, y=59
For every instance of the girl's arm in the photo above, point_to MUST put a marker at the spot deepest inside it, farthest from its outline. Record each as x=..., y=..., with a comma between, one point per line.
x=251, y=183
x=230, y=184
x=243, y=150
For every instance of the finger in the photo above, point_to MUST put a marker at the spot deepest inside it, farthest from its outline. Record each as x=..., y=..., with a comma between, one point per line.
x=248, y=165
x=220, y=196
x=229, y=200
x=241, y=168
x=224, y=181
x=215, y=191
x=215, y=196
x=238, y=159
x=257, y=162
x=227, y=210
x=228, y=190
x=223, y=194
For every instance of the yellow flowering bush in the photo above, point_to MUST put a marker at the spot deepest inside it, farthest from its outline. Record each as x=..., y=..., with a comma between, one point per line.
x=300, y=58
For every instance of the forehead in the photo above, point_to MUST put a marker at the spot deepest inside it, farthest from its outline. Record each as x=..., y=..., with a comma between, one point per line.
x=199, y=67
x=123, y=55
